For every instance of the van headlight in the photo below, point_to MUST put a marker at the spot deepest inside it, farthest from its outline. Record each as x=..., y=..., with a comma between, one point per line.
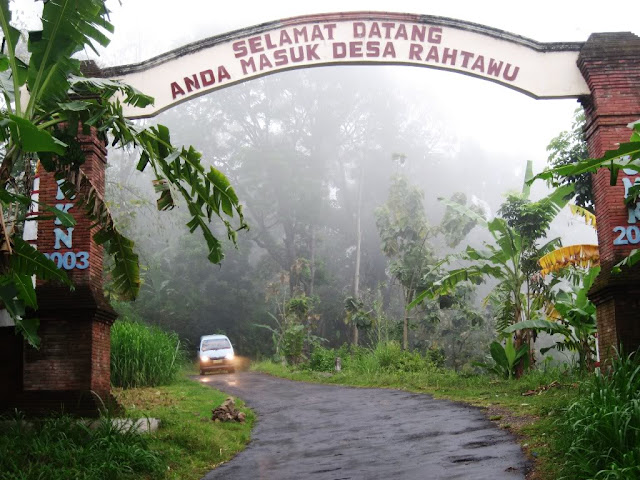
x=204, y=358
x=229, y=356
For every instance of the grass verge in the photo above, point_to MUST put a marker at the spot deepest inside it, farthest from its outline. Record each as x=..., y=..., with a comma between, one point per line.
x=187, y=445
x=528, y=406
x=189, y=442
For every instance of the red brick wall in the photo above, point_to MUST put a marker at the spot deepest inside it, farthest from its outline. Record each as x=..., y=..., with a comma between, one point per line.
x=610, y=63
x=94, y=168
x=101, y=358
x=74, y=355
x=63, y=361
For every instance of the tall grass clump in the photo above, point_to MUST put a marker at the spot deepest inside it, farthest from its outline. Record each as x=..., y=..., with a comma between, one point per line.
x=65, y=448
x=388, y=357
x=600, y=432
x=143, y=355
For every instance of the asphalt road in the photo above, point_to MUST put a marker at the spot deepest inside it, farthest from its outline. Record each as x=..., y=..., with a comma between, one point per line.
x=324, y=432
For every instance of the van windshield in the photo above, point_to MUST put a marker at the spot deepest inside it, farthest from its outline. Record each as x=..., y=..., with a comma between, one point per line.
x=215, y=344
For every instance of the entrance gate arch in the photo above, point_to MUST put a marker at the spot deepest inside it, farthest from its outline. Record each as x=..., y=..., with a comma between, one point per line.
x=603, y=74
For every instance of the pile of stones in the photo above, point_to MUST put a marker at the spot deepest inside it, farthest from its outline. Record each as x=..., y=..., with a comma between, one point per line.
x=227, y=412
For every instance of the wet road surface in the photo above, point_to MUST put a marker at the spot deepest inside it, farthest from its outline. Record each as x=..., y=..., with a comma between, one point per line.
x=326, y=432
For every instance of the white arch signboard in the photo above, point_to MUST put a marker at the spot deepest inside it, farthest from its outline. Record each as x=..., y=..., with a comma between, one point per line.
x=541, y=70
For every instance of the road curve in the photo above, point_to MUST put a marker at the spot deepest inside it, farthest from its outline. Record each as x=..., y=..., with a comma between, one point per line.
x=326, y=432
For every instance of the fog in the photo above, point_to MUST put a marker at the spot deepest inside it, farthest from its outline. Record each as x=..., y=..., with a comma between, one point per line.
x=297, y=145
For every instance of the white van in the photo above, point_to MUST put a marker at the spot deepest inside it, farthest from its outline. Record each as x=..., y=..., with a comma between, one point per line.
x=216, y=353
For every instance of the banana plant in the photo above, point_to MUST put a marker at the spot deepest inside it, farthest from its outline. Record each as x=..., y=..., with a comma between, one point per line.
x=45, y=100
x=505, y=358
x=511, y=258
x=575, y=321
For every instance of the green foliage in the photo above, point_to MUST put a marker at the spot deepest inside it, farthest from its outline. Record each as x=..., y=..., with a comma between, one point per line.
x=61, y=99
x=17, y=291
x=514, y=246
x=385, y=357
x=190, y=444
x=298, y=308
x=357, y=314
x=456, y=224
x=293, y=328
x=577, y=324
x=600, y=433
x=404, y=233
x=143, y=356
x=292, y=342
x=530, y=219
x=277, y=333
x=455, y=329
x=322, y=359
x=436, y=356
x=505, y=357
x=626, y=157
x=390, y=356
x=500, y=261
x=567, y=149
x=403, y=227
x=62, y=448
x=511, y=259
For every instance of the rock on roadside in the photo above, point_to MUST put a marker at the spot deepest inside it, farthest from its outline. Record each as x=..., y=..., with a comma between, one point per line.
x=227, y=412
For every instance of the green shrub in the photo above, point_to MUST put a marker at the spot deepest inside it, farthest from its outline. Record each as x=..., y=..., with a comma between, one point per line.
x=322, y=359
x=64, y=448
x=385, y=357
x=143, y=355
x=436, y=356
x=293, y=342
x=600, y=432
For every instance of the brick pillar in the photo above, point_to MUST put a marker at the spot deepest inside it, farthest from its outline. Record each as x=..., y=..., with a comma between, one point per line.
x=72, y=367
x=610, y=63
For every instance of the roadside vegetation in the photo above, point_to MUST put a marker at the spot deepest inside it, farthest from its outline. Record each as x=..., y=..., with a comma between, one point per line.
x=186, y=446
x=63, y=447
x=188, y=442
x=143, y=356
x=150, y=371
x=600, y=432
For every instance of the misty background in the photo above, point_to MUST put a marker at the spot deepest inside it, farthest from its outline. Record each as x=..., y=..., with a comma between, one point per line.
x=297, y=146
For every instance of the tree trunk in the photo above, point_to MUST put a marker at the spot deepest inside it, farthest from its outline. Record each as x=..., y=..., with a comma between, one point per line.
x=312, y=260
x=291, y=257
x=522, y=338
x=405, y=324
x=405, y=331
x=356, y=279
